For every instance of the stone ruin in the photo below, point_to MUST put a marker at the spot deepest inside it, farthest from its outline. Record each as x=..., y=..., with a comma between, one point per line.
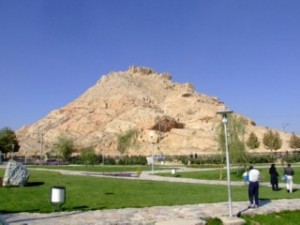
x=16, y=174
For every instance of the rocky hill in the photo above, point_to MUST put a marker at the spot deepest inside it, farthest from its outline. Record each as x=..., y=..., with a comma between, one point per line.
x=182, y=120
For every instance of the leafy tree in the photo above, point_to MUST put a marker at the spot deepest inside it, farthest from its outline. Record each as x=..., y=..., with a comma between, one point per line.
x=272, y=140
x=236, y=130
x=88, y=156
x=294, y=141
x=8, y=141
x=252, y=141
x=127, y=140
x=64, y=147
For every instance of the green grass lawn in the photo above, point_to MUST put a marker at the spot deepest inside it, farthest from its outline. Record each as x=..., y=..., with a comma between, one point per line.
x=101, y=168
x=215, y=174
x=284, y=218
x=90, y=193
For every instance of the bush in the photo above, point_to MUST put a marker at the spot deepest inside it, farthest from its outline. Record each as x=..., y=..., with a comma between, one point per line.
x=109, y=161
x=127, y=140
x=292, y=158
x=75, y=160
x=202, y=160
x=133, y=160
x=214, y=221
x=64, y=147
x=252, y=159
x=88, y=156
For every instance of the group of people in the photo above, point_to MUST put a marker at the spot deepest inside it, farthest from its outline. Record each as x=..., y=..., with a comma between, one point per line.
x=253, y=176
x=288, y=174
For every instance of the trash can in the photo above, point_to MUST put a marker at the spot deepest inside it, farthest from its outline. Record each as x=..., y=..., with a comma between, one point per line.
x=58, y=196
x=173, y=171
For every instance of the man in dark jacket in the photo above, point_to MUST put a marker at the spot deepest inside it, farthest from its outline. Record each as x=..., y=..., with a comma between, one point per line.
x=274, y=177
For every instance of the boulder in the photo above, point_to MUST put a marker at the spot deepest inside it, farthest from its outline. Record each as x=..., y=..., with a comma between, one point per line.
x=16, y=174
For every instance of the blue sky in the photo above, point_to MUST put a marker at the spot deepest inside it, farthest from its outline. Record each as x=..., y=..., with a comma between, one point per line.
x=245, y=52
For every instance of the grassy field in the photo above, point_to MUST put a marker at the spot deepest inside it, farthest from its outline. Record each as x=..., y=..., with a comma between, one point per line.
x=215, y=174
x=100, y=168
x=90, y=193
x=284, y=218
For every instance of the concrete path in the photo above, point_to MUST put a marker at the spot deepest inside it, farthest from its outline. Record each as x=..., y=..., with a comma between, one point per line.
x=157, y=215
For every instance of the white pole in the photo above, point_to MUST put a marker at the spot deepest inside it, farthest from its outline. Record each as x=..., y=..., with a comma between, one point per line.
x=224, y=115
x=152, y=159
x=152, y=146
x=227, y=166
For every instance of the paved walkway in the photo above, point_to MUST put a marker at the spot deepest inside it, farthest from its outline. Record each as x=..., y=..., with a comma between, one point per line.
x=157, y=215
x=183, y=215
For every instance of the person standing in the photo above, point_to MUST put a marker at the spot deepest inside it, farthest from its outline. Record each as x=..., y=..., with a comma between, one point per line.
x=289, y=173
x=253, y=187
x=274, y=177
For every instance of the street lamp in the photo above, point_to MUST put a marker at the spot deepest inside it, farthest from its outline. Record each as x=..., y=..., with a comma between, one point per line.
x=12, y=150
x=224, y=114
x=151, y=136
x=41, y=141
x=283, y=125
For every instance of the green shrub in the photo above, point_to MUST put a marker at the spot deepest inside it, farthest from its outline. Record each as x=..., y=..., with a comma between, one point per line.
x=133, y=160
x=64, y=146
x=126, y=140
x=202, y=160
x=214, y=221
x=292, y=158
x=88, y=156
x=252, y=159
x=109, y=161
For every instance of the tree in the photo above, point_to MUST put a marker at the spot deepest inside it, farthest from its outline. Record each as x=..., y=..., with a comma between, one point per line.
x=88, y=156
x=8, y=141
x=294, y=141
x=127, y=140
x=252, y=141
x=236, y=131
x=236, y=146
x=64, y=147
x=272, y=140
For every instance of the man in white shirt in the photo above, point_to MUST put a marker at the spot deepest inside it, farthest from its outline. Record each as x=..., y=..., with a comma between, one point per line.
x=253, y=187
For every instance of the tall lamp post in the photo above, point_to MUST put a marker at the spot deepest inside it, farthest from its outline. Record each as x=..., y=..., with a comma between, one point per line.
x=283, y=125
x=41, y=141
x=224, y=114
x=12, y=150
x=151, y=136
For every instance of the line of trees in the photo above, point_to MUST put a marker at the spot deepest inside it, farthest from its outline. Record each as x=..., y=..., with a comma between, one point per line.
x=237, y=143
x=63, y=147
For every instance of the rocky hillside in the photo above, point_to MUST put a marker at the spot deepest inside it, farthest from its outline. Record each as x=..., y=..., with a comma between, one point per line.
x=182, y=120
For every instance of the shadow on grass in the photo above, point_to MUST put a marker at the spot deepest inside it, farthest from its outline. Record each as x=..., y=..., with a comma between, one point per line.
x=33, y=184
x=80, y=207
x=16, y=211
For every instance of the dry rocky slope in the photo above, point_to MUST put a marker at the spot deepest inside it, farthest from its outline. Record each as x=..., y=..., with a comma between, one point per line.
x=138, y=99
